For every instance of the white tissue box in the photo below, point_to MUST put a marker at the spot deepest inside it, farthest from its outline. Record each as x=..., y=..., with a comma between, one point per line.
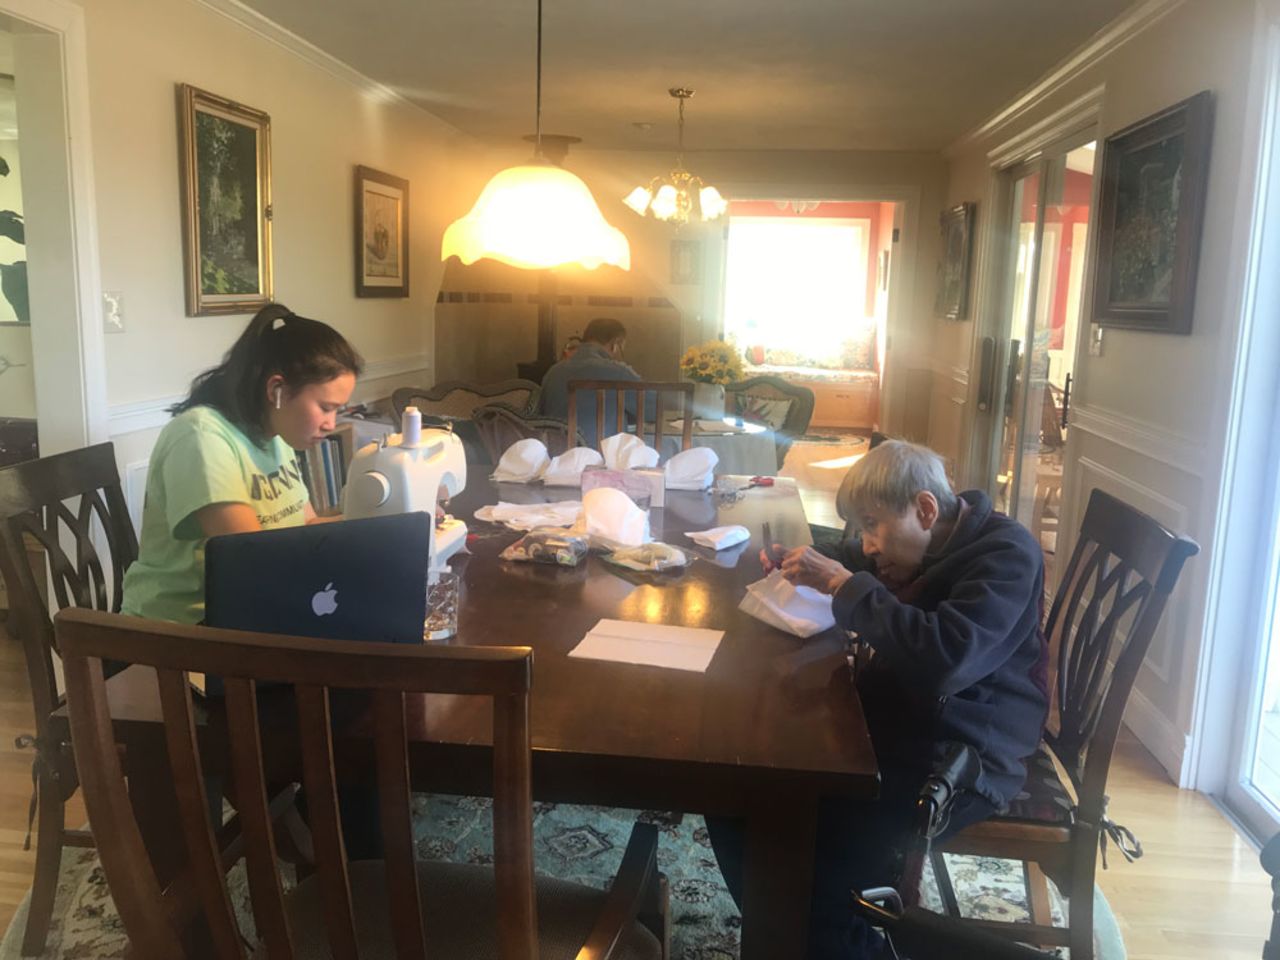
x=657, y=480
x=629, y=482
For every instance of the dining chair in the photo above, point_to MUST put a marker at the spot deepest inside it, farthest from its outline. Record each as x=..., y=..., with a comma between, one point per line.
x=611, y=397
x=1122, y=570
x=460, y=399
x=499, y=426
x=70, y=504
x=785, y=408
x=394, y=907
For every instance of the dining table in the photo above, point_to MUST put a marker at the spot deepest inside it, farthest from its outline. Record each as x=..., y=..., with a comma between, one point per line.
x=770, y=727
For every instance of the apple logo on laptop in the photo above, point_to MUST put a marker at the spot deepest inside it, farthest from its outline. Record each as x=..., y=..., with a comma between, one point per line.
x=325, y=601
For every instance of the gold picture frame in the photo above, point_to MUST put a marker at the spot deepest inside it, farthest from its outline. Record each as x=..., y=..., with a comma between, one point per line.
x=225, y=166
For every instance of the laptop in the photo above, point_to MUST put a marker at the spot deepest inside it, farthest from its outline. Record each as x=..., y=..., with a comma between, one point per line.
x=350, y=580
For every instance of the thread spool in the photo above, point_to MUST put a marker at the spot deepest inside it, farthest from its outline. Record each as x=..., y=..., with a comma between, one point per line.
x=410, y=427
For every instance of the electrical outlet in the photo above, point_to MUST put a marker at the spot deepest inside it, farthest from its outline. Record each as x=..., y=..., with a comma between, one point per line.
x=113, y=311
x=1095, y=341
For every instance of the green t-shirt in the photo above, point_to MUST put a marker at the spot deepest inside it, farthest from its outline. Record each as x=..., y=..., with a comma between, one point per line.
x=200, y=458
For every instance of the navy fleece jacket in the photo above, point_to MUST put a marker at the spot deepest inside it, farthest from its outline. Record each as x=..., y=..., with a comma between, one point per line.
x=963, y=658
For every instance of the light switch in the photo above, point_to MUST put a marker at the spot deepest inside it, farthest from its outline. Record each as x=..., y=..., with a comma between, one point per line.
x=1095, y=341
x=113, y=311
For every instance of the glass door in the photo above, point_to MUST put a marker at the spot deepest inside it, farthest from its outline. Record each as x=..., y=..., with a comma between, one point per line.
x=1047, y=233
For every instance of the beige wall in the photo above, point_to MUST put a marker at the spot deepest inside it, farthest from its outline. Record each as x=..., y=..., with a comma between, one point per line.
x=1150, y=413
x=657, y=333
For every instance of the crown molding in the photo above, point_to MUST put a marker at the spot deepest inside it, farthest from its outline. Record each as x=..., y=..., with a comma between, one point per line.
x=1102, y=44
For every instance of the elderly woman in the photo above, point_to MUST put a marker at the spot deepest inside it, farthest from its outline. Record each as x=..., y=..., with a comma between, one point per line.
x=947, y=593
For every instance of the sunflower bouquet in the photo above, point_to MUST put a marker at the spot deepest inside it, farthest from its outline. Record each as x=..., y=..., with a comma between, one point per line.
x=712, y=362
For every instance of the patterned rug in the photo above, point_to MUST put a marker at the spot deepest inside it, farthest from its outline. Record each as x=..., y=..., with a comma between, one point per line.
x=578, y=843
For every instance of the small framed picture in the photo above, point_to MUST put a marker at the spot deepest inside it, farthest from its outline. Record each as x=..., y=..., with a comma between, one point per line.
x=226, y=203
x=686, y=262
x=381, y=234
x=1151, y=206
x=957, y=256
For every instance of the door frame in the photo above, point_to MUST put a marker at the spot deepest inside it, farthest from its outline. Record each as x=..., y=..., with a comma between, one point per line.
x=67, y=335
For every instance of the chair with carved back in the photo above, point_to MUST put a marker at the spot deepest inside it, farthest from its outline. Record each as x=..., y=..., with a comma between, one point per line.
x=71, y=504
x=1122, y=570
x=394, y=907
x=785, y=408
x=460, y=399
x=499, y=426
x=613, y=398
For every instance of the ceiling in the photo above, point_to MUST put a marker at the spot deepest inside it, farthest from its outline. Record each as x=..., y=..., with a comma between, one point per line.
x=804, y=74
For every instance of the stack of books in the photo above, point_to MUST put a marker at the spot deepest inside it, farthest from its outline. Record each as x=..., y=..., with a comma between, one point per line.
x=324, y=468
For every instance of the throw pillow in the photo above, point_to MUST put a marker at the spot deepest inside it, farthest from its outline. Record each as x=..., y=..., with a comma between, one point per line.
x=771, y=413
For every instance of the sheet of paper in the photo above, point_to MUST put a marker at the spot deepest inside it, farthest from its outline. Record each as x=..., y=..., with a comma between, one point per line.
x=651, y=644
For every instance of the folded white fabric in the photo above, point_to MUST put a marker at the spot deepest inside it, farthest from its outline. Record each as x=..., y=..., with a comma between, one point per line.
x=720, y=538
x=626, y=451
x=611, y=519
x=526, y=516
x=692, y=469
x=779, y=603
x=522, y=462
x=566, y=469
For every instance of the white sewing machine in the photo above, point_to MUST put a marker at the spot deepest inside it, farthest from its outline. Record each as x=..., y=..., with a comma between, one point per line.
x=403, y=473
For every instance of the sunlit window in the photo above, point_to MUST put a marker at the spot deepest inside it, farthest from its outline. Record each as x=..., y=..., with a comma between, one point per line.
x=798, y=286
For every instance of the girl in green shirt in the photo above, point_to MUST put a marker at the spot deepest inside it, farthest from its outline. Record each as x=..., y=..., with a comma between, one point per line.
x=226, y=463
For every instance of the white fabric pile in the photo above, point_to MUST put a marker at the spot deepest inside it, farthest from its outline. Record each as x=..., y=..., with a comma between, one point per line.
x=802, y=611
x=692, y=469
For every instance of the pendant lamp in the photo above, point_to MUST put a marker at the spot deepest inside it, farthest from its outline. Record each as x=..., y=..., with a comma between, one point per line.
x=536, y=215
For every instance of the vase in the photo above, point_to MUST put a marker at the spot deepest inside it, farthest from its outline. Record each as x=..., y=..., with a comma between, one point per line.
x=708, y=401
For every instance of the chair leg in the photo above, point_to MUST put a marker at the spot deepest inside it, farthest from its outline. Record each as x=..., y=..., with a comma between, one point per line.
x=1080, y=919
x=950, y=905
x=655, y=912
x=48, y=863
x=1037, y=893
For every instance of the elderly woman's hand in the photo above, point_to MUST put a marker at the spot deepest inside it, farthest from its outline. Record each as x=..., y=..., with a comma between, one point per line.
x=806, y=567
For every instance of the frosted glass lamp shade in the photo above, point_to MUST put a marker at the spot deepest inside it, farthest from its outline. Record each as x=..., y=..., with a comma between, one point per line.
x=637, y=200
x=713, y=205
x=536, y=216
x=665, y=202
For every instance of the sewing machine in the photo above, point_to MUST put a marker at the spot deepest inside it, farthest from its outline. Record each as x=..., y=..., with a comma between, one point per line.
x=404, y=473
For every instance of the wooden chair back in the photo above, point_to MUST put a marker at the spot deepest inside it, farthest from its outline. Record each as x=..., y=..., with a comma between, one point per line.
x=638, y=390
x=1103, y=618
x=71, y=504
x=461, y=399
x=315, y=668
x=499, y=426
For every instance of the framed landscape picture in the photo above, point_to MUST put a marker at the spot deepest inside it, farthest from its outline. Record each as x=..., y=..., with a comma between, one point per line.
x=954, y=267
x=1150, y=210
x=381, y=234
x=226, y=203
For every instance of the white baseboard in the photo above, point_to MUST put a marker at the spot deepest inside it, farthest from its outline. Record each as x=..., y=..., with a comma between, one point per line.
x=1156, y=732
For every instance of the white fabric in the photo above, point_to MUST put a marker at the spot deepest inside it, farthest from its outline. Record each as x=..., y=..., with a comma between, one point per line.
x=526, y=516
x=720, y=538
x=626, y=451
x=611, y=518
x=692, y=469
x=522, y=462
x=566, y=469
x=779, y=603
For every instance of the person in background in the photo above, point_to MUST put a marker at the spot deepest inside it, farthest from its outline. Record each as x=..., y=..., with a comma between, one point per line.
x=598, y=357
x=227, y=462
x=948, y=594
x=570, y=347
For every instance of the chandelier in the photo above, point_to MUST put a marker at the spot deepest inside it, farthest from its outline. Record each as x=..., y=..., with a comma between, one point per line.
x=536, y=215
x=680, y=196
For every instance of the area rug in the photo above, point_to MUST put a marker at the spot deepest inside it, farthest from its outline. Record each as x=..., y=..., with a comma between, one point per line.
x=579, y=843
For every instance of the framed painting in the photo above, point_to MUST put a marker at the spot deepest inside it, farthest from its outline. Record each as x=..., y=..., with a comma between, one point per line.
x=226, y=203
x=955, y=266
x=1150, y=210
x=686, y=262
x=381, y=234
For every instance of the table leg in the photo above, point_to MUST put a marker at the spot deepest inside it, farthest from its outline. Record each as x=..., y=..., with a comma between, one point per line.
x=777, y=877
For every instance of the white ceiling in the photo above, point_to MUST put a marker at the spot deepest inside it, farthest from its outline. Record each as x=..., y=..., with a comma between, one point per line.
x=769, y=74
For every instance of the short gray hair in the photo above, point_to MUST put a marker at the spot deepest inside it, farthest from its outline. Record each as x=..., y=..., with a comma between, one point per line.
x=891, y=475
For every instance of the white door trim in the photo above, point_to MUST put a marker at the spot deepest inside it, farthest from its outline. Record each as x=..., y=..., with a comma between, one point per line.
x=85, y=366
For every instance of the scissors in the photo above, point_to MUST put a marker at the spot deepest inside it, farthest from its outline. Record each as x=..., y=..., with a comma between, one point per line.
x=760, y=482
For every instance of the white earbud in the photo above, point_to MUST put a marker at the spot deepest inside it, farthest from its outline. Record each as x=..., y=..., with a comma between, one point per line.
x=277, y=398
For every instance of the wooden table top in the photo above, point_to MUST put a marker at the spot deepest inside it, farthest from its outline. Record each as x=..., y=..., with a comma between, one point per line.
x=771, y=709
